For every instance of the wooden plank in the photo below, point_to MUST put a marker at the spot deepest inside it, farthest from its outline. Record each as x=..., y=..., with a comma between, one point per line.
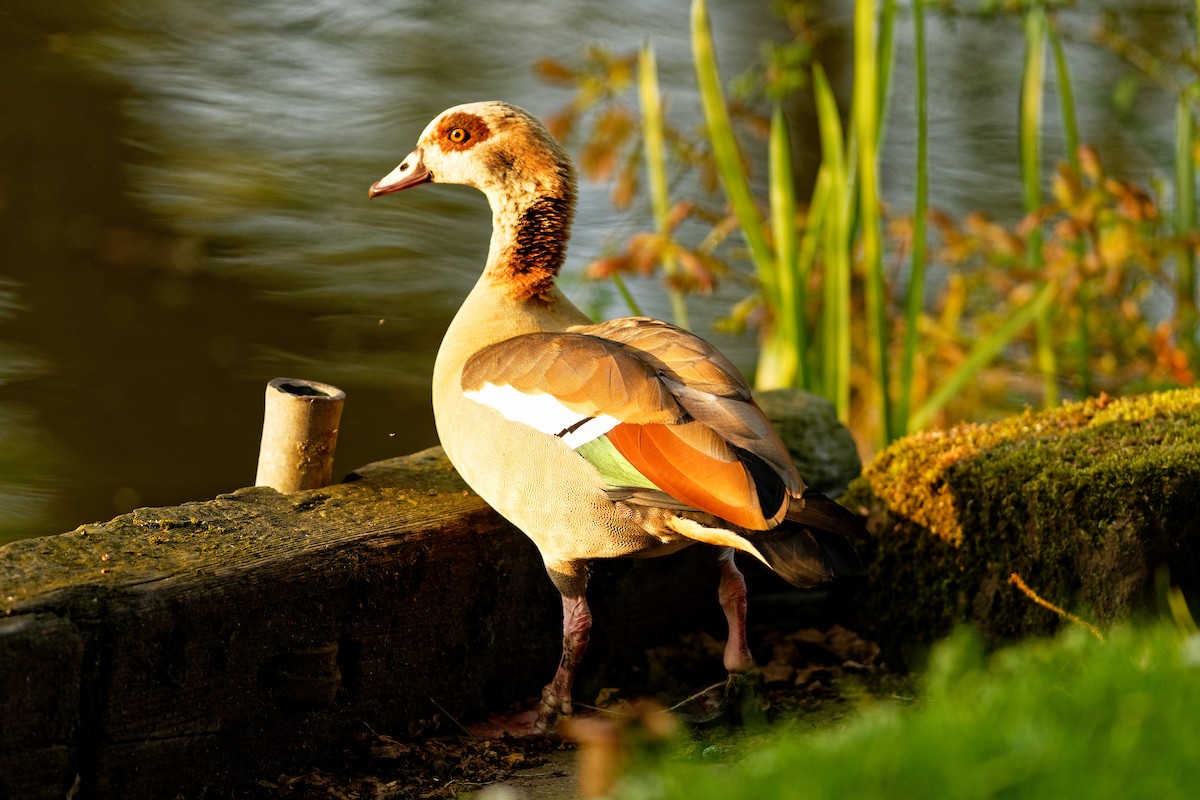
x=245, y=634
x=40, y=670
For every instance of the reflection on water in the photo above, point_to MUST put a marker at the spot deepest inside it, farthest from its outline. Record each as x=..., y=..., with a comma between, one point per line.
x=183, y=216
x=25, y=464
x=183, y=213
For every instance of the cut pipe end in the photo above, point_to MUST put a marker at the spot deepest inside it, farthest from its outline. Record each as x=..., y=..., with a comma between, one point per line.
x=299, y=387
x=300, y=427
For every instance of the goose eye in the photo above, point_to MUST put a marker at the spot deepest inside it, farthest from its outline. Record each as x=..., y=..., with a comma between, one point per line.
x=459, y=135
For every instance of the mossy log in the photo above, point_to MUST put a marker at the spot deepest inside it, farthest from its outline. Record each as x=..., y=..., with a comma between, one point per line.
x=1087, y=504
x=185, y=650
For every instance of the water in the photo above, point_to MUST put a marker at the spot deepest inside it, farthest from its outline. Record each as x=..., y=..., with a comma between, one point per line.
x=183, y=211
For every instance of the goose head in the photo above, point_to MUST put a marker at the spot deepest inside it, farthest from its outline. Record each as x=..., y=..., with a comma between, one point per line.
x=498, y=148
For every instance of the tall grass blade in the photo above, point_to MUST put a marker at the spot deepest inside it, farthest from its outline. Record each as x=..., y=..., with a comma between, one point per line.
x=1185, y=167
x=789, y=316
x=771, y=372
x=806, y=263
x=834, y=186
x=720, y=135
x=1031, y=177
x=1066, y=94
x=914, y=302
x=884, y=59
x=866, y=105
x=627, y=296
x=1031, y=109
x=653, y=140
x=1185, y=219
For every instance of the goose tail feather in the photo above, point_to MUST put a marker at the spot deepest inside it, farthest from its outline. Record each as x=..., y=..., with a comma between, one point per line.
x=814, y=545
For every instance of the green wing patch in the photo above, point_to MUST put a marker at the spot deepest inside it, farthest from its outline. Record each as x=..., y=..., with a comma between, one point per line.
x=616, y=470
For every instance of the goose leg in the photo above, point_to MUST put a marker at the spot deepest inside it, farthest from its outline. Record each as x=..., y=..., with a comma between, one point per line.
x=577, y=625
x=732, y=593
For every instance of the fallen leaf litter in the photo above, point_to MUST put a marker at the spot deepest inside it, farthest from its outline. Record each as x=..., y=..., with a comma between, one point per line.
x=801, y=672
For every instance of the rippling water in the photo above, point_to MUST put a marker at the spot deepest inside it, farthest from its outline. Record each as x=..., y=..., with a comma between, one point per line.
x=183, y=211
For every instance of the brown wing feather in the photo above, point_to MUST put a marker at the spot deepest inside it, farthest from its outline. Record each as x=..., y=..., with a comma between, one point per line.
x=587, y=374
x=688, y=421
x=683, y=356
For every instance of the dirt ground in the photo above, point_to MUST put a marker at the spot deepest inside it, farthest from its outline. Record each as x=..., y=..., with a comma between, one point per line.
x=809, y=677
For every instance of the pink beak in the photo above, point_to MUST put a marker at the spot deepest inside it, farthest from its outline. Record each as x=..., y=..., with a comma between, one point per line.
x=411, y=172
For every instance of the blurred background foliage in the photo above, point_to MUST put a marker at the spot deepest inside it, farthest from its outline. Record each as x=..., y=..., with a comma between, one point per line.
x=1092, y=289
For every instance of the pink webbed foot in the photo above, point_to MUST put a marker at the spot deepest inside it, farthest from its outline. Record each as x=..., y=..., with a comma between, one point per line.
x=556, y=696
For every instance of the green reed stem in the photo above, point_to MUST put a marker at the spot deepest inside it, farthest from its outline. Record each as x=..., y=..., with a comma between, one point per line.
x=725, y=147
x=866, y=126
x=626, y=295
x=833, y=184
x=884, y=52
x=776, y=368
x=789, y=316
x=1185, y=219
x=806, y=262
x=656, y=173
x=1066, y=94
x=1030, y=143
x=914, y=304
x=1185, y=167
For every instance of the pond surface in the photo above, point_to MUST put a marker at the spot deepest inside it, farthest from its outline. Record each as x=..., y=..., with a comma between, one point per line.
x=183, y=210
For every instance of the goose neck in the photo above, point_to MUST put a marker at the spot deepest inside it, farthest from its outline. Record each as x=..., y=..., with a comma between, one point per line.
x=529, y=242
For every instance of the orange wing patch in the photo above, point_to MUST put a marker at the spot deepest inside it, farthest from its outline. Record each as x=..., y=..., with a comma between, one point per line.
x=693, y=465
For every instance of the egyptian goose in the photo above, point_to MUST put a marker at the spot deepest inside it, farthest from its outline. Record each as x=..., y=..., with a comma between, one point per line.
x=625, y=438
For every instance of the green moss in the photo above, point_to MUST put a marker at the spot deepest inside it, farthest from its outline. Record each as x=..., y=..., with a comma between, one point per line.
x=1084, y=502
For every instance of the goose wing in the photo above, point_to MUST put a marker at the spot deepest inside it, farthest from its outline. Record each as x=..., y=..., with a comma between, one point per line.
x=662, y=415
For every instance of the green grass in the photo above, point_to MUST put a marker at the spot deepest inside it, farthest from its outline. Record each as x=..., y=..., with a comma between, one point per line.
x=1057, y=718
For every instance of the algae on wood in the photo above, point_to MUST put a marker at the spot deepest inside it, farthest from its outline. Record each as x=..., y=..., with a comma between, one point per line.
x=1086, y=503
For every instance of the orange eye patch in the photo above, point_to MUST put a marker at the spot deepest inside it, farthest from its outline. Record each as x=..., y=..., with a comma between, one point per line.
x=461, y=130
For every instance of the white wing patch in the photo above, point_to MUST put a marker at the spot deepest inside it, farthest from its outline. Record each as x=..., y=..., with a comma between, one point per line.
x=544, y=413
